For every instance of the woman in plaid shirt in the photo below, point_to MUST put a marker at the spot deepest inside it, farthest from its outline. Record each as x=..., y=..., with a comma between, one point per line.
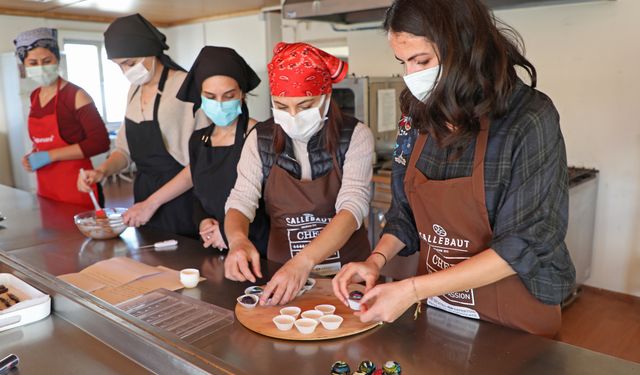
x=479, y=177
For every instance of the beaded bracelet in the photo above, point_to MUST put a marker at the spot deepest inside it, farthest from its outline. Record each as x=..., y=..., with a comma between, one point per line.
x=384, y=256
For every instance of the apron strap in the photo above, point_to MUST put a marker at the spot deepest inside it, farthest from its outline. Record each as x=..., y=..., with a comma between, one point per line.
x=156, y=104
x=477, y=174
x=418, y=145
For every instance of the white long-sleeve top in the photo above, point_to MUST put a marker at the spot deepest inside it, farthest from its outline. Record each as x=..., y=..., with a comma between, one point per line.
x=354, y=194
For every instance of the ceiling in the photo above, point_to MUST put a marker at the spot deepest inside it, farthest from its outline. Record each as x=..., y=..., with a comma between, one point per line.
x=161, y=12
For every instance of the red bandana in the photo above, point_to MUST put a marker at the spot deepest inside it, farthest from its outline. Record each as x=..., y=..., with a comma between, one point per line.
x=299, y=69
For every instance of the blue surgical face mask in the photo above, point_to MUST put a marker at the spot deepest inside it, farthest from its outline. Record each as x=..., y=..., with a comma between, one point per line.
x=221, y=113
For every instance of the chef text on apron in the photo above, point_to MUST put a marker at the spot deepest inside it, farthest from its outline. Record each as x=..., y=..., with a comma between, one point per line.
x=453, y=225
x=58, y=180
x=155, y=168
x=299, y=210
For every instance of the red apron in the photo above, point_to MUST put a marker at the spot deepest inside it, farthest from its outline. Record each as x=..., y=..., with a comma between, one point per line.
x=58, y=180
x=299, y=210
x=453, y=225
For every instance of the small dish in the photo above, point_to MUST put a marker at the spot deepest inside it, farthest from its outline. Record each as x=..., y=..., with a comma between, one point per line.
x=309, y=284
x=331, y=322
x=312, y=314
x=301, y=292
x=257, y=290
x=326, y=309
x=293, y=311
x=354, y=300
x=306, y=326
x=189, y=277
x=284, y=322
x=248, y=300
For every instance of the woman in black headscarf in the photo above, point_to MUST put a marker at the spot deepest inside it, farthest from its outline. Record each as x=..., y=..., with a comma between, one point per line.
x=217, y=84
x=157, y=126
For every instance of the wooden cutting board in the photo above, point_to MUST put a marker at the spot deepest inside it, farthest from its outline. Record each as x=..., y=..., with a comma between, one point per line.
x=259, y=319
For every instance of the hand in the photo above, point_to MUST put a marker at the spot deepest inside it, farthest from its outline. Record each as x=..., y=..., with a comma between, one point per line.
x=90, y=177
x=25, y=163
x=287, y=282
x=353, y=273
x=236, y=265
x=139, y=214
x=211, y=234
x=38, y=160
x=386, y=302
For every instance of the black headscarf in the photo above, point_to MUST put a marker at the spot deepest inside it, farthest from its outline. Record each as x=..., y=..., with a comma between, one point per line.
x=134, y=36
x=216, y=61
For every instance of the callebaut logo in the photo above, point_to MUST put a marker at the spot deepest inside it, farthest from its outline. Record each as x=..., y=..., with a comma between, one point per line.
x=439, y=230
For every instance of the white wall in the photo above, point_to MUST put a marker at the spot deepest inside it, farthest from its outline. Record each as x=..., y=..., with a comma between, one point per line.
x=588, y=60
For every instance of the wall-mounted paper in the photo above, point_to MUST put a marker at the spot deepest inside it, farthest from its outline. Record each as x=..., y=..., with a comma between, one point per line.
x=387, y=116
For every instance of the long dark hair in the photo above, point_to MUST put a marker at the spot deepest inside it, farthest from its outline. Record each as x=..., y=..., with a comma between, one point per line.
x=331, y=131
x=478, y=56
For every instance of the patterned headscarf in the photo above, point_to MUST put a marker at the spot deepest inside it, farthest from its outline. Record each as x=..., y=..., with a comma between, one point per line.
x=299, y=69
x=41, y=37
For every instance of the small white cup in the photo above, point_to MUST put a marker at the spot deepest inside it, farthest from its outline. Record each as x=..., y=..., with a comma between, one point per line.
x=306, y=326
x=312, y=314
x=293, y=311
x=326, y=309
x=189, y=277
x=249, y=305
x=331, y=322
x=284, y=322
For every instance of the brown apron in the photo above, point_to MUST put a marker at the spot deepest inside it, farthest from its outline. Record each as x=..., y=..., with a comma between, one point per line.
x=453, y=225
x=299, y=210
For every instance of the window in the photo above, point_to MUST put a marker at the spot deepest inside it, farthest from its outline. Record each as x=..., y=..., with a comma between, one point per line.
x=89, y=68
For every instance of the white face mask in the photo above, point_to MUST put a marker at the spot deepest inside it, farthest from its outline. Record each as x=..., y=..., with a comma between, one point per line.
x=138, y=75
x=304, y=124
x=43, y=75
x=422, y=83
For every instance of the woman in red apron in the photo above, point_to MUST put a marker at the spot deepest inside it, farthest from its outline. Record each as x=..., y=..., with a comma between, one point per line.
x=479, y=178
x=64, y=124
x=312, y=165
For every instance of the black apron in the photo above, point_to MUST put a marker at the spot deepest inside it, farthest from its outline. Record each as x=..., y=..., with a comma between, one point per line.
x=156, y=167
x=214, y=173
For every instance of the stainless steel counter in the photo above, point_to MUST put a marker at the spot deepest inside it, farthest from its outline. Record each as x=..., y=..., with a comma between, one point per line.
x=437, y=342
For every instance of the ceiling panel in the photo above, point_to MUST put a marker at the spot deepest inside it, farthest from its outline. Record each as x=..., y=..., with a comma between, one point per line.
x=160, y=12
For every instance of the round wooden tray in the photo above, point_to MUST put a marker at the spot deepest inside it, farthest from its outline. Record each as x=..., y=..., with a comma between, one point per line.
x=259, y=319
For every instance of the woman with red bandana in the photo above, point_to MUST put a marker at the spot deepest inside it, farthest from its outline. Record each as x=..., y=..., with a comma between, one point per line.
x=312, y=166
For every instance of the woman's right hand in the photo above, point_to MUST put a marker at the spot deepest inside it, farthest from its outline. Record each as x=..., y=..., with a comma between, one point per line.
x=91, y=176
x=211, y=235
x=25, y=163
x=241, y=254
x=352, y=273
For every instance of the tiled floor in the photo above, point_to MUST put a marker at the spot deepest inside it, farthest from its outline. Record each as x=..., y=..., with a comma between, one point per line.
x=598, y=320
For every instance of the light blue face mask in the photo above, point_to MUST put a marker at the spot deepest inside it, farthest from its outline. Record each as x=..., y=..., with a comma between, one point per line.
x=221, y=113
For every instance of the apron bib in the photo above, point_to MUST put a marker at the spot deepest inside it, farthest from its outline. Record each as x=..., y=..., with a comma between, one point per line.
x=156, y=167
x=453, y=225
x=58, y=180
x=214, y=173
x=299, y=210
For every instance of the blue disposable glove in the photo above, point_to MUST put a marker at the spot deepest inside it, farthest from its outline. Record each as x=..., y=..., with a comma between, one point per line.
x=38, y=160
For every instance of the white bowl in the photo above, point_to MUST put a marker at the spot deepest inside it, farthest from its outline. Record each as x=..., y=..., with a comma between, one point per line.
x=293, y=311
x=326, y=309
x=331, y=322
x=306, y=326
x=246, y=304
x=284, y=322
x=309, y=284
x=312, y=314
x=189, y=277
